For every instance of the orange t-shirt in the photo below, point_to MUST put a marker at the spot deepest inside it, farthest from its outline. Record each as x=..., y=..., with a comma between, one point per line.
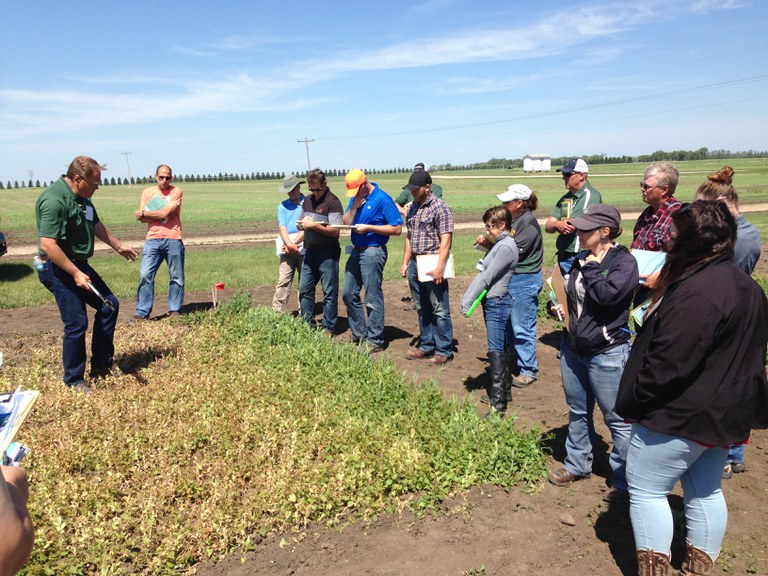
x=171, y=228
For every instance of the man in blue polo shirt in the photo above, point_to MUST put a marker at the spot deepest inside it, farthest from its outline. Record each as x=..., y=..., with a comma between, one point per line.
x=374, y=217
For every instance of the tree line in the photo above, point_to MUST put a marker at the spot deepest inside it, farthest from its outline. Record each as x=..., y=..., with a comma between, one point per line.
x=493, y=163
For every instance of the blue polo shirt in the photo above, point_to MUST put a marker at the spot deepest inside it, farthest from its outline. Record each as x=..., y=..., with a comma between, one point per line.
x=379, y=210
x=288, y=213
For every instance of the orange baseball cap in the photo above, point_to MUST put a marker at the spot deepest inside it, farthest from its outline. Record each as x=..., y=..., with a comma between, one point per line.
x=354, y=179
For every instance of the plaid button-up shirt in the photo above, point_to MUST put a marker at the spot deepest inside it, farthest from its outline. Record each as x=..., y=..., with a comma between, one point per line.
x=426, y=222
x=652, y=228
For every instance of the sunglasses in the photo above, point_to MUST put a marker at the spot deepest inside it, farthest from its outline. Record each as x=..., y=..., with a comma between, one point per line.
x=165, y=177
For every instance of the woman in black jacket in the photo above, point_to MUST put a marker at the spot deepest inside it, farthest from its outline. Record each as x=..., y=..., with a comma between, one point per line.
x=694, y=384
x=596, y=345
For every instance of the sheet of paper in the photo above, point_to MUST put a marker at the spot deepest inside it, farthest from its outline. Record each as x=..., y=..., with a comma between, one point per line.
x=648, y=262
x=279, y=244
x=426, y=263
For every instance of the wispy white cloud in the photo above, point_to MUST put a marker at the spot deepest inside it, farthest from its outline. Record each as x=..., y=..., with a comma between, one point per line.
x=144, y=98
x=713, y=5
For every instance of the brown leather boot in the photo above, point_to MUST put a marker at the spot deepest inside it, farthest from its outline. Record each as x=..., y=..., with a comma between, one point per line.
x=650, y=563
x=697, y=562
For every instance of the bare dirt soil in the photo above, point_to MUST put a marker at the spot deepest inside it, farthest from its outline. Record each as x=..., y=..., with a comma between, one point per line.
x=555, y=531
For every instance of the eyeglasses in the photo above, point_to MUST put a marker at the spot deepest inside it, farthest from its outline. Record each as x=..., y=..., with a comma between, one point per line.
x=645, y=186
x=165, y=178
x=320, y=189
x=89, y=183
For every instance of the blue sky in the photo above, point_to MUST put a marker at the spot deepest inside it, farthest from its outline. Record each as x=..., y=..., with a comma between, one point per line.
x=211, y=87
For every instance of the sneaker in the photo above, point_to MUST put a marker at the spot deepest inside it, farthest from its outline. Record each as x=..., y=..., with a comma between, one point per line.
x=727, y=472
x=738, y=467
x=523, y=381
x=616, y=496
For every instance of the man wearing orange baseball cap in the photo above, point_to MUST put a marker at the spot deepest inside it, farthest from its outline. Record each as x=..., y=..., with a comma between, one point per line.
x=374, y=218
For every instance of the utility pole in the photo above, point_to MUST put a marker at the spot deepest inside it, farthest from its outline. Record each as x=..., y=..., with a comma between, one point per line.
x=306, y=142
x=129, y=167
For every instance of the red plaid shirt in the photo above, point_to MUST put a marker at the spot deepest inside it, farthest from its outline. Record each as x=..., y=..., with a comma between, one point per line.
x=652, y=228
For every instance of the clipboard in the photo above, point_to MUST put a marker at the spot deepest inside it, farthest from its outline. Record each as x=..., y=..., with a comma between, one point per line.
x=14, y=409
x=557, y=285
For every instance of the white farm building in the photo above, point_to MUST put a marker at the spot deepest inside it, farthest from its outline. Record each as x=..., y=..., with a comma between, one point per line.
x=537, y=163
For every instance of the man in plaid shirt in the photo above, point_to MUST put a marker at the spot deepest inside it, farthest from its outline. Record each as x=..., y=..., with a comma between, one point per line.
x=658, y=187
x=430, y=231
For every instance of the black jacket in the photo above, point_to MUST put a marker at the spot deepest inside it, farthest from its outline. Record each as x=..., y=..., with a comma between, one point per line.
x=608, y=291
x=697, y=370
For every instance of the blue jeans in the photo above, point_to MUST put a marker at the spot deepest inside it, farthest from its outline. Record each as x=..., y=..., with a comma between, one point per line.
x=366, y=270
x=565, y=261
x=524, y=290
x=321, y=264
x=413, y=284
x=156, y=251
x=71, y=301
x=496, y=314
x=435, y=326
x=655, y=463
x=587, y=379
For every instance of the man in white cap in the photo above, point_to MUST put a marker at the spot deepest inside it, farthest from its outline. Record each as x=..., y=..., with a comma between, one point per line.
x=374, y=218
x=290, y=240
x=580, y=195
x=526, y=283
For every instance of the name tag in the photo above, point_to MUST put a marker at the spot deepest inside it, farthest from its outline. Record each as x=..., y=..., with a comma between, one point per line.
x=89, y=213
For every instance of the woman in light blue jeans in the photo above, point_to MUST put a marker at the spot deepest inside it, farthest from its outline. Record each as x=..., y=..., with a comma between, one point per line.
x=655, y=462
x=694, y=384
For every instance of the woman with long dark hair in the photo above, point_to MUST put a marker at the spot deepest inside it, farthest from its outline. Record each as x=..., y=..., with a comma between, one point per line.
x=694, y=384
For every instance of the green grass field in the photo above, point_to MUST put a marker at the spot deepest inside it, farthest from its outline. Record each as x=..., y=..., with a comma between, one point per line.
x=248, y=206
x=245, y=206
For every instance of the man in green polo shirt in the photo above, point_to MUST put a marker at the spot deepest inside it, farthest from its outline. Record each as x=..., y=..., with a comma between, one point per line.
x=67, y=223
x=581, y=195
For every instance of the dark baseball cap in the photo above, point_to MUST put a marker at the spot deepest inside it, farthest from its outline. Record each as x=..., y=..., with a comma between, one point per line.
x=574, y=165
x=597, y=216
x=418, y=179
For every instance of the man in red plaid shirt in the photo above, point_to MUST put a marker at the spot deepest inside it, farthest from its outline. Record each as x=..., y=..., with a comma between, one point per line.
x=658, y=187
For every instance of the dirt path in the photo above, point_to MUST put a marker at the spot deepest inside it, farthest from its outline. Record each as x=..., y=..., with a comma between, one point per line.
x=555, y=531
x=31, y=249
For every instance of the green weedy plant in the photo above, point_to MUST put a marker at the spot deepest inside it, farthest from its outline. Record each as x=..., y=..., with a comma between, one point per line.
x=246, y=423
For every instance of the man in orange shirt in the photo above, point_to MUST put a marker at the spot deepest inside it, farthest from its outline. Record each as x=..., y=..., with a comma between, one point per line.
x=160, y=210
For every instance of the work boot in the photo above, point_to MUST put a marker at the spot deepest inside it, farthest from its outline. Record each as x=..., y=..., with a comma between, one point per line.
x=650, y=563
x=499, y=373
x=697, y=562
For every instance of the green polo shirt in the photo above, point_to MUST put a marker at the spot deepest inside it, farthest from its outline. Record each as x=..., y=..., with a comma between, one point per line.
x=406, y=196
x=70, y=219
x=579, y=201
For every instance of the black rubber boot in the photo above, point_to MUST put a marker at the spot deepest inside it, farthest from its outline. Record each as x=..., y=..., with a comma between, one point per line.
x=499, y=372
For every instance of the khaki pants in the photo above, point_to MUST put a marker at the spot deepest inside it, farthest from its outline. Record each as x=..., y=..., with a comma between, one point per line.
x=289, y=265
